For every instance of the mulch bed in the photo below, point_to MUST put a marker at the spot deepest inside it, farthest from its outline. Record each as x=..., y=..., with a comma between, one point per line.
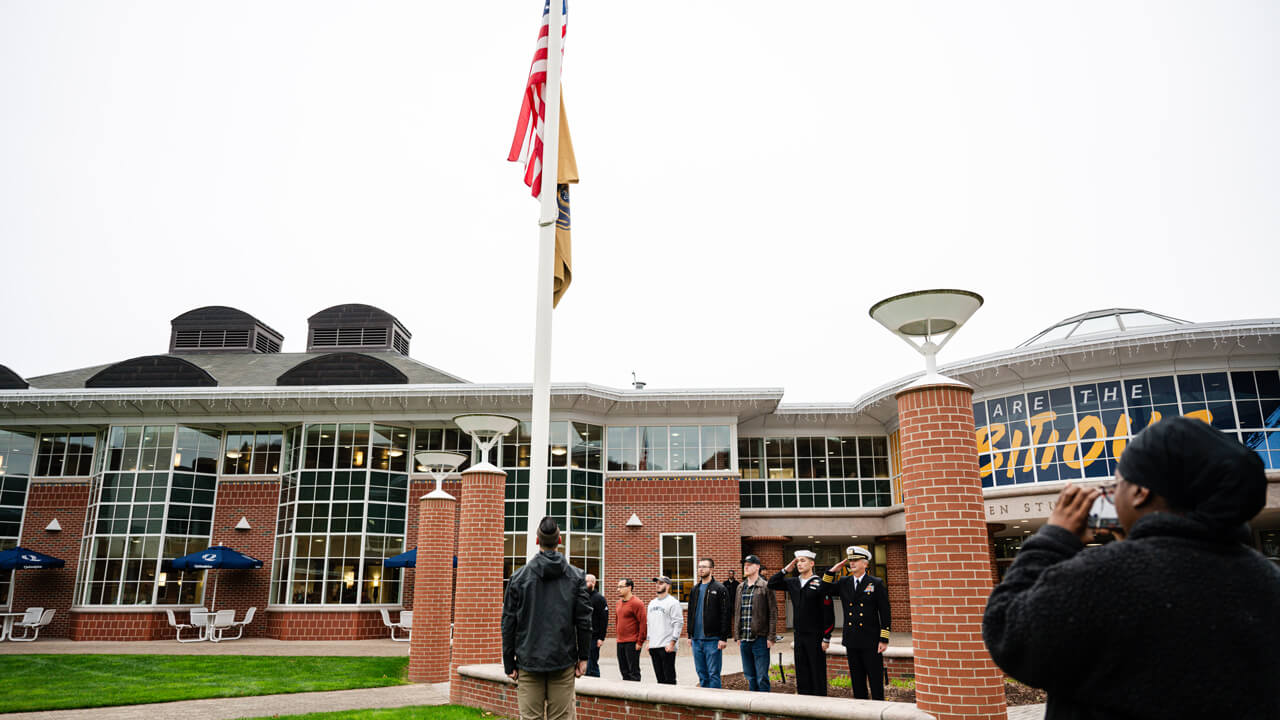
x=1015, y=693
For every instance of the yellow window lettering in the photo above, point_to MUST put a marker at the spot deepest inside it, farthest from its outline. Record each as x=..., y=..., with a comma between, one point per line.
x=1037, y=423
x=1087, y=423
x=987, y=437
x=1014, y=446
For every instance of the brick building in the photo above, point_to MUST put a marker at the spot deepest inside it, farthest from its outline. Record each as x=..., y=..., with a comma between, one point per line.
x=306, y=461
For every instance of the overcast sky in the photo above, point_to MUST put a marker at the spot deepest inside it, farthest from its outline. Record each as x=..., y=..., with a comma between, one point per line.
x=754, y=176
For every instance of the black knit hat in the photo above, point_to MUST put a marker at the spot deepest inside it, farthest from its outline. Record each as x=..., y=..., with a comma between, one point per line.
x=548, y=532
x=1197, y=469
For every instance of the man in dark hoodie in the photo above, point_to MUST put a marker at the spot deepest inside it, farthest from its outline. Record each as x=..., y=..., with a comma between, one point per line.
x=1179, y=619
x=546, y=630
x=599, y=625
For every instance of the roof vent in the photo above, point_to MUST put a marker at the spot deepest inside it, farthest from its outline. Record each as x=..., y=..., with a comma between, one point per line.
x=344, y=327
x=222, y=329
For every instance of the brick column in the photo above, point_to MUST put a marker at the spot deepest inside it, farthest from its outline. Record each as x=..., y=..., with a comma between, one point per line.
x=433, y=589
x=477, y=616
x=769, y=550
x=948, y=557
x=895, y=551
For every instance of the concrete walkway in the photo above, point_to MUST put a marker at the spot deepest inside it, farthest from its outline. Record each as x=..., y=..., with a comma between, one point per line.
x=258, y=706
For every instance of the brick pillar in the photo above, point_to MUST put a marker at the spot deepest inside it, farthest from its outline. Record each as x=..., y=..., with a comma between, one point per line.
x=477, y=617
x=433, y=589
x=895, y=551
x=769, y=550
x=948, y=557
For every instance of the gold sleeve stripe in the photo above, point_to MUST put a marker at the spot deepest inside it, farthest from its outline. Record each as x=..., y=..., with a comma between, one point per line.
x=828, y=578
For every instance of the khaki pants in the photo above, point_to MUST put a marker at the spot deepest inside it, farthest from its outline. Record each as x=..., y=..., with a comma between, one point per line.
x=555, y=688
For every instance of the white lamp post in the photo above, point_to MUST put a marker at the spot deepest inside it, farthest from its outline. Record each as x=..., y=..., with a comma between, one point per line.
x=485, y=431
x=440, y=464
x=927, y=315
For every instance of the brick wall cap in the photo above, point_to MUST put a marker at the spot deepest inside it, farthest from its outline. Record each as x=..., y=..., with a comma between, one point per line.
x=735, y=701
x=484, y=468
x=893, y=651
x=929, y=382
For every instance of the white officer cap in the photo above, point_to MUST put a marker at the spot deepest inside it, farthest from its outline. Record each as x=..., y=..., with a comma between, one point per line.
x=806, y=554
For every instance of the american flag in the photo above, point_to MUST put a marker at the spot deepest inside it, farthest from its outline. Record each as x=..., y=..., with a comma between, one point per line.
x=533, y=109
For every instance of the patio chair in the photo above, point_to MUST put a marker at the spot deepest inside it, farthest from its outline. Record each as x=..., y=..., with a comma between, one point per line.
x=239, y=626
x=33, y=629
x=179, y=627
x=222, y=620
x=32, y=615
x=200, y=621
x=405, y=623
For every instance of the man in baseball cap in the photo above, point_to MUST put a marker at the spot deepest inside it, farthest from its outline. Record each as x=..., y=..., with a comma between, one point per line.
x=754, y=617
x=665, y=620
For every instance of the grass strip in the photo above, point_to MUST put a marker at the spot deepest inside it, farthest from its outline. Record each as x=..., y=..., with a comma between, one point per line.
x=59, y=682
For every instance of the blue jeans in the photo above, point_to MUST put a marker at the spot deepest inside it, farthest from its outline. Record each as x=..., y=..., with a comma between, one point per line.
x=593, y=660
x=706, y=660
x=755, y=663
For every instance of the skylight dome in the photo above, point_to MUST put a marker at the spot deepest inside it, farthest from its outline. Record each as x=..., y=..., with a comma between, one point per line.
x=1101, y=322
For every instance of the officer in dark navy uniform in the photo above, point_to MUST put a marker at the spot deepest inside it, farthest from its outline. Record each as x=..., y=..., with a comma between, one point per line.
x=813, y=618
x=866, y=620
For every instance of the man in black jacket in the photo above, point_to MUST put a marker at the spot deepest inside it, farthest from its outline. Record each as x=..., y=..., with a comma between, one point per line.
x=1179, y=619
x=813, y=619
x=866, y=621
x=710, y=618
x=546, y=630
x=599, y=625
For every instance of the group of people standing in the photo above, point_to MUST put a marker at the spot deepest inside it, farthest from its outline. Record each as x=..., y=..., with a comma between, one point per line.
x=555, y=621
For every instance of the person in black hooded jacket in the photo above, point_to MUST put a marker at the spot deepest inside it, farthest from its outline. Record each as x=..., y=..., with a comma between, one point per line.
x=1180, y=619
x=546, y=629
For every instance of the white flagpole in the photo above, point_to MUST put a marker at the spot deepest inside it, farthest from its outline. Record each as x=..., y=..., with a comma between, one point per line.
x=548, y=213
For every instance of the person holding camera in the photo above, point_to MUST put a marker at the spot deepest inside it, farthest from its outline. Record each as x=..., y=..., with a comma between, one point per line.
x=1179, y=619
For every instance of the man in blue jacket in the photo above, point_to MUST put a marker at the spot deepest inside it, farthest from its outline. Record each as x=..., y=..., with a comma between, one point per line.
x=546, y=630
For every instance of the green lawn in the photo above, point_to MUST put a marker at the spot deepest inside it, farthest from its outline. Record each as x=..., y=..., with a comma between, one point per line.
x=55, y=682
x=415, y=712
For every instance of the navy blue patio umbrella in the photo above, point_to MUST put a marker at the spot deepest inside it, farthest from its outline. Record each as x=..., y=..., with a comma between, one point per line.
x=214, y=558
x=403, y=560
x=20, y=558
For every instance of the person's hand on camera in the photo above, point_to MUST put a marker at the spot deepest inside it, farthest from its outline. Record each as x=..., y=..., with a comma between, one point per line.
x=1071, y=512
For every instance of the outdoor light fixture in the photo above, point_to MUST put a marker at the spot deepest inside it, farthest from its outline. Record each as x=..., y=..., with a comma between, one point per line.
x=439, y=464
x=53, y=526
x=634, y=521
x=243, y=524
x=933, y=316
x=485, y=430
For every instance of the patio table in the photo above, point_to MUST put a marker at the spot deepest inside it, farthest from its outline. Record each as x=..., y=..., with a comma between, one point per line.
x=9, y=619
x=206, y=632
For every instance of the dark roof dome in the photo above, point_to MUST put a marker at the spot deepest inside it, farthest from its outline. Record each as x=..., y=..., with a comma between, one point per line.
x=352, y=314
x=343, y=368
x=151, y=371
x=356, y=326
x=10, y=380
x=218, y=328
x=212, y=315
x=1101, y=322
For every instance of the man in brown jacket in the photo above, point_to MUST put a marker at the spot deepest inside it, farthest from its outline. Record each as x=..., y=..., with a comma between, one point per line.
x=754, y=616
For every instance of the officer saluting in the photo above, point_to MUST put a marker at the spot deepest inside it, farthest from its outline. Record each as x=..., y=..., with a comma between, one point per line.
x=866, y=621
x=813, y=622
